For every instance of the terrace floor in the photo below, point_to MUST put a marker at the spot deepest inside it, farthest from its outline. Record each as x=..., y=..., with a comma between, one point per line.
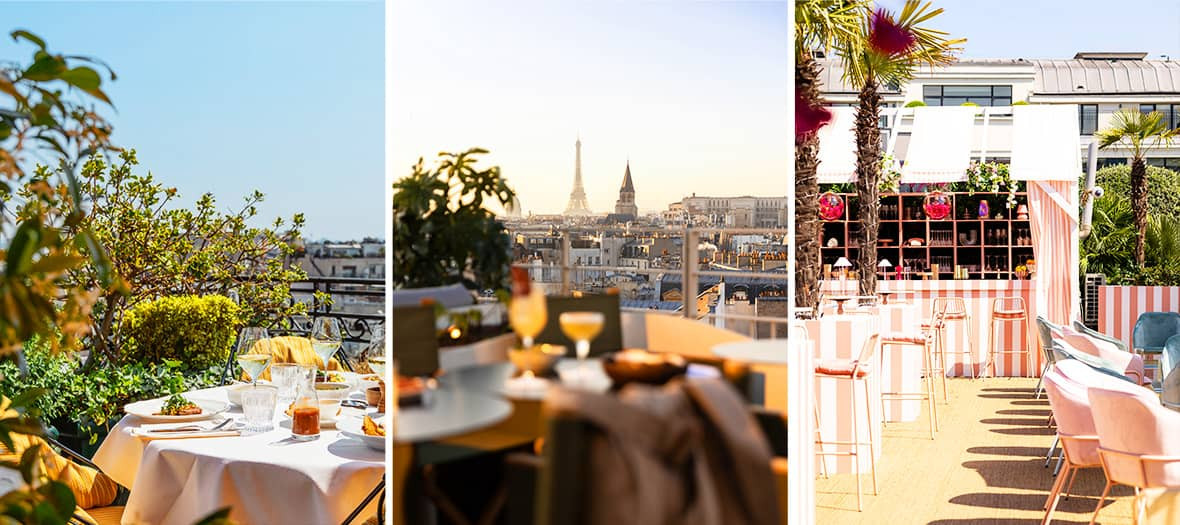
x=985, y=466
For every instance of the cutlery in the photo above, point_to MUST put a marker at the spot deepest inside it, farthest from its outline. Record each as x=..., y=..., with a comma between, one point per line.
x=194, y=428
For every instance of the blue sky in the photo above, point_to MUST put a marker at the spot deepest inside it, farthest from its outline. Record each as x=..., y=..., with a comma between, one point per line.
x=286, y=98
x=694, y=93
x=1059, y=28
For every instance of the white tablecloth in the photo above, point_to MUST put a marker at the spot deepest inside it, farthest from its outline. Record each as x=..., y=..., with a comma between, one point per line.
x=177, y=481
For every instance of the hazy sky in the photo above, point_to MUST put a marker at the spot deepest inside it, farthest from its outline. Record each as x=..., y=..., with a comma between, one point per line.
x=1059, y=28
x=227, y=97
x=694, y=93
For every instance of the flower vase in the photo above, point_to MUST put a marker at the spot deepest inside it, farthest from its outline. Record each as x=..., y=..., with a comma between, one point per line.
x=983, y=209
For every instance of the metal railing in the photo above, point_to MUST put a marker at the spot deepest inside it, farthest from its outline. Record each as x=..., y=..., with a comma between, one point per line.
x=349, y=296
x=689, y=271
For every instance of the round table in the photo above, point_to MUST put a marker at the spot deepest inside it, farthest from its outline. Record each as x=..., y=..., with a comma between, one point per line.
x=501, y=379
x=264, y=477
x=767, y=351
x=450, y=412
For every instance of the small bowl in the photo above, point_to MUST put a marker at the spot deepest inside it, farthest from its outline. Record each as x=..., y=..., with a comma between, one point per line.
x=234, y=392
x=639, y=366
x=373, y=396
x=539, y=359
x=335, y=391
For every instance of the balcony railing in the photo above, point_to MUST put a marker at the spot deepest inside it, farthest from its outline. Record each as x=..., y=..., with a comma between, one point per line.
x=689, y=274
x=357, y=303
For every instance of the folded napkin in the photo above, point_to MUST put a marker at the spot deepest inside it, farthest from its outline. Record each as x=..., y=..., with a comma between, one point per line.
x=200, y=429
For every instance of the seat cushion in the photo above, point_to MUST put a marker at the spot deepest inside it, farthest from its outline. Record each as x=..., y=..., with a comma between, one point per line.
x=955, y=316
x=916, y=338
x=112, y=515
x=839, y=368
x=1008, y=314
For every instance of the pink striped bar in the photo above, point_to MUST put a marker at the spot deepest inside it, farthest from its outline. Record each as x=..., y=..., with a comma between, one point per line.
x=841, y=337
x=978, y=296
x=1120, y=306
x=901, y=367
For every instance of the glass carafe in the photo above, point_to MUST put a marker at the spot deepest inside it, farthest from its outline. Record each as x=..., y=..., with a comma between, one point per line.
x=305, y=412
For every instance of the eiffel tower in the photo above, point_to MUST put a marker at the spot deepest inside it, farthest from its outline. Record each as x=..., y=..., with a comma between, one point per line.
x=577, y=205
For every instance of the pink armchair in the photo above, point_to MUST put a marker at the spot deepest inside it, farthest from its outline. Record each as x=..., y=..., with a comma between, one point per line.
x=1075, y=428
x=1136, y=443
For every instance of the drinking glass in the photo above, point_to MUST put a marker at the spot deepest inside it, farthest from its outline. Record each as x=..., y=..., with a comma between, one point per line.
x=253, y=351
x=375, y=354
x=284, y=377
x=527, y=315
x=258, y=404
x=326, y=337
x=582, y=327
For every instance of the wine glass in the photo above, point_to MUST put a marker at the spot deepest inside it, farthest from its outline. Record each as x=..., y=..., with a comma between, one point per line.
x=326, y=337
x=582, y=327
x=376, y=352
x=527, y=315
x=253, y=351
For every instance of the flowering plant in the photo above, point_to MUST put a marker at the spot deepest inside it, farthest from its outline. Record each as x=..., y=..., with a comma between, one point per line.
x=991, y=177
x=890, y=181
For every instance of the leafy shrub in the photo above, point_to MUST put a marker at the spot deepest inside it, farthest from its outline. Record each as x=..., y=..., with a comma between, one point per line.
x=915, y=104
x=1110, y=247
x=1163, y=187
x=195, y=331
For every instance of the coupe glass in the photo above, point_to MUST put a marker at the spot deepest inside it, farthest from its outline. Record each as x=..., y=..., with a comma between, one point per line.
x=326, y=336
x=527, y=315
x=253, y=351
x=582, y=327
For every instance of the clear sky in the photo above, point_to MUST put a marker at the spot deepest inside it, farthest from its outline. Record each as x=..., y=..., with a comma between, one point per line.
x=694, y=93
x=1059, y=28
x=286, y=98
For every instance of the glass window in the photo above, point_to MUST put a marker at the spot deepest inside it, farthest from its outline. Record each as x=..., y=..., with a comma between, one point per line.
x=1088, y=118
x=1102, y=163
x=957, y=95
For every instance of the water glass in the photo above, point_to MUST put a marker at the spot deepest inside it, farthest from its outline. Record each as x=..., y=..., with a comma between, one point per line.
x=259, y=406
x=285, y=376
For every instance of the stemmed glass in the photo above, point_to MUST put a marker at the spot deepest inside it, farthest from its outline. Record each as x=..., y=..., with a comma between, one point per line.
x=253, y=351
x=376, y=351
x=326, y=337
x=527, y=315
x=582, y=327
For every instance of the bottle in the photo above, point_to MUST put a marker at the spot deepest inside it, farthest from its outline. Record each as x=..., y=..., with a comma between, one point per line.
x=305, y=412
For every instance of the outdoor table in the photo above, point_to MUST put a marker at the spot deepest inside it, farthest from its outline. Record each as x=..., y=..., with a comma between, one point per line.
x=767, y=351
x=841, y=337
x=901, y=367
x=264, y=477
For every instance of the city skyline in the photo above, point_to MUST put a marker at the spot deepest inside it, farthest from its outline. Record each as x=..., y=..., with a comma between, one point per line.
x=692, y=96
x=240, y=109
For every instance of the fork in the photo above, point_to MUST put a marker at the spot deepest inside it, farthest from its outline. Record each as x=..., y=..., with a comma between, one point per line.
x=195, y=428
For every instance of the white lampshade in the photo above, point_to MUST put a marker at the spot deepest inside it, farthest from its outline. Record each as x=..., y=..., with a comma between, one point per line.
x=842, y=263
x=884, y=263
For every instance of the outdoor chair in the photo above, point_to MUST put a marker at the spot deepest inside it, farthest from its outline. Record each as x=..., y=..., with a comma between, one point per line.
x=1045, y=332
x=414, y=341
x=1081, y=327
x=922, y=342
x=694, y=341
x=853, y=371
x=283, y=349
x=95, y=494
x=1075, y=430
x=1008, y=310
x=450, y=296
x=1152, y=330
x=953, y=309
x=1169, y=378
x=377, y=493
x=551, y=487
x=611, y=337
x=1136, y=443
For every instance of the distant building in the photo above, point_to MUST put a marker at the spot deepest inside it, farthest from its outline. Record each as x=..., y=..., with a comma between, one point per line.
x=365, y=259
x=577, y=204
x=625, y=208
x=736, y=212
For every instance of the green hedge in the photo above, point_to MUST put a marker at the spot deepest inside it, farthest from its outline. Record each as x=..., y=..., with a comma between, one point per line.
x=195, y=331
x=1163, y=187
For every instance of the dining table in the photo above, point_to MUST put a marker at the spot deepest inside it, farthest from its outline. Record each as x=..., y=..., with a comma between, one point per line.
x=264, y=477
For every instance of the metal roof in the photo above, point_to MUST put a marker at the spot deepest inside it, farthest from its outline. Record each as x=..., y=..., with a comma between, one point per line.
x=1106, y=77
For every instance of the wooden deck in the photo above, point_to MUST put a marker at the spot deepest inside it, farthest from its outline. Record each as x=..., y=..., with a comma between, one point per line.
x=985, y=466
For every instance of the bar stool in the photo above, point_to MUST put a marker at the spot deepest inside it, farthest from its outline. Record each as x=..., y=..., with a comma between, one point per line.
x=924, y=342
x=1008, y=310
x=951, y=309
x=854, y=371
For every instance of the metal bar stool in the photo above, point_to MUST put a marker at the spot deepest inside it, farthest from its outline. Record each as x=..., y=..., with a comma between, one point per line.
x=1008, y=310
x=950, y=309
x=854, y=371
x=923, y=341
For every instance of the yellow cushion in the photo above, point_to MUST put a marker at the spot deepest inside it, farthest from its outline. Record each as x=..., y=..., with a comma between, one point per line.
x=91, y=488
x=290, y=349
x=112, y=515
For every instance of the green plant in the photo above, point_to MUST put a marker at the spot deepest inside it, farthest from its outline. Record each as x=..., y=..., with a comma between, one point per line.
x=991, y=177
x=1020, y=103
x=196, y=331
x=162, y=250
x=1137, y=131
x=890, y=175
x=442, y=233
x=971, y=104
x=915, y=104
x=42, y=501
x=47, y=370
x=1163, y=186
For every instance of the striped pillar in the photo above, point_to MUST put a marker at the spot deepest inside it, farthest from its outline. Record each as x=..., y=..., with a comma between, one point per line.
x=1120, y=306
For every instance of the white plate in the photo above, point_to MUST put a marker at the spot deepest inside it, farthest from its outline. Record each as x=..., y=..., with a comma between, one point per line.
x=146, y=410
x=351, y=427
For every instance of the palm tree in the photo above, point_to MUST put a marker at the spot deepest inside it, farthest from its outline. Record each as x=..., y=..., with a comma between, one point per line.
x=820, y=25
x=1137, y=131
x=894, y=48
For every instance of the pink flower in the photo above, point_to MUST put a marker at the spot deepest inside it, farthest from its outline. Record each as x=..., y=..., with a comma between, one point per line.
x=888, y=38
x=808, y=118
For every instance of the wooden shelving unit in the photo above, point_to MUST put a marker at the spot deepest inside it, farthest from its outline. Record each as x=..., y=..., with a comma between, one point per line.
x=989, y=248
